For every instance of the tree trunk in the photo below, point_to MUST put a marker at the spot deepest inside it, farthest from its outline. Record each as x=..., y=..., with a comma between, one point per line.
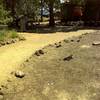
x=23, y=22
x=10, y=5
x=51, y=20
x=41, y=10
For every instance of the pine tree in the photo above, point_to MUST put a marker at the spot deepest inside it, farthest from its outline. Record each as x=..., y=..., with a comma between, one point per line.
x=4, y=15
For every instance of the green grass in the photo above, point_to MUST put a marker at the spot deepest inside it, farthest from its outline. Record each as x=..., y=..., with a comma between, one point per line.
x=7, y=34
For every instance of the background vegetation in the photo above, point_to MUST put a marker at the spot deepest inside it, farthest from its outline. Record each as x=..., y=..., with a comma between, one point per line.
x=7, y=34
x=5, y=17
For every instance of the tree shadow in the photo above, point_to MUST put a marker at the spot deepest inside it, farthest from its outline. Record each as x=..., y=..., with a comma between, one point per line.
x=46, y=29
x=52, y=30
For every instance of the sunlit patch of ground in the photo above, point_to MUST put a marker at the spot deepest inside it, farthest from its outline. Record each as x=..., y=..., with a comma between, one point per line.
x=13, y=55
x=51, y=77
x=85, y=46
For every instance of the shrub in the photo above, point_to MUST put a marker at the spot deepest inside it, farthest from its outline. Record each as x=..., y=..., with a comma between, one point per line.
x=8, y=34
x=4, y=15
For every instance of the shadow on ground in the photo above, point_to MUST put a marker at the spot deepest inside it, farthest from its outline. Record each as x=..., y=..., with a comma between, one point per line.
x=45, y=29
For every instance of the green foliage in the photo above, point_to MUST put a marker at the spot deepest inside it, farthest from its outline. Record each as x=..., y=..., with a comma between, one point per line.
x=77, y=2
x=27, y=7
x=55, y=2
x=4, y=15
x=7, y=34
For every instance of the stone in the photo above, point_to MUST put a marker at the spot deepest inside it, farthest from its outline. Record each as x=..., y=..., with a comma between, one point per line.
x=8, y=42
x=3, y=43
x=13, y=41
x=60, y=42
x=1, y=95
x=4, y=86
x=50, y=45
x=19, y=74
x=68, y=58
x=85, y=33
x=58, y=45
x=72, y=40
x=39, y=52
x=16, y=39
x=21, y=38
x=66, y=41
x=27, y=60
x=9, y=80
x=78, y=40
x=0, y=45
x=80, y=37
x=96, y=43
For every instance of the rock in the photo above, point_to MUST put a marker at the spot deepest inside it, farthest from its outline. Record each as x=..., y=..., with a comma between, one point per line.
x=58, y=45
x=50, y=45
x=1, y=95
x=19, y=74
x=80, y=37
x=85, y=33
x=9, y=42
x=8, y=80
x=21, y=38
x=27, y=60
x=0, y=45
x=59, y=42
x=66, y=41
x=3, y=43
x=16, y=39
x=96, y=43
x=39, y=52
x=72, y=40
x=4, y=86
x=68, y=58
x=78, y=40
x=13, y=41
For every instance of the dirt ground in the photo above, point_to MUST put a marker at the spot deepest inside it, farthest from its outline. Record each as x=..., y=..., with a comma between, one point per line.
x=68, y=70
x=12, y=56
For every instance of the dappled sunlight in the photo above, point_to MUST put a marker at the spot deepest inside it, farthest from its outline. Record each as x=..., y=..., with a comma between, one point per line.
x=83, y=97
x=85, y=46
x=63, y=95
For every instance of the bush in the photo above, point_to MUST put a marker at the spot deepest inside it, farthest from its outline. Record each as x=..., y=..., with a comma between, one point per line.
x=5, y=17
x=8, y=34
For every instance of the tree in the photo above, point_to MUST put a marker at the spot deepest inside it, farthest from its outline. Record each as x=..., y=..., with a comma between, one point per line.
x=22, y=10
x=42, y=6
x=92, y=11
x=51, y=5
x=27, y=7
x=77, y=2
x=4, y=14
x=10, y=5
